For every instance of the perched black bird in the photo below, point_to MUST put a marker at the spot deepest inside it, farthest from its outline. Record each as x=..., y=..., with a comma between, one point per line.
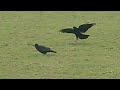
x=43, y=49
x=78, y=31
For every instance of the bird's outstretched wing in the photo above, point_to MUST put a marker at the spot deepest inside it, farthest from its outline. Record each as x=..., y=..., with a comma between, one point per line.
x=83, y=28
x=67, y=30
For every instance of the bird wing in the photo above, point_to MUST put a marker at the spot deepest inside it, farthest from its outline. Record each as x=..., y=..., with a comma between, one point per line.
x=83, y=28
x=67, y=30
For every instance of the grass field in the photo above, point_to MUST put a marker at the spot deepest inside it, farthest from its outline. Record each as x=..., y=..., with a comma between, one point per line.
x=97, y=57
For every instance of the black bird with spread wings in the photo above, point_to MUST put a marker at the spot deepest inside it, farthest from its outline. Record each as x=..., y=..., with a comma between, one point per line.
x=43, y=49
x=78, y=31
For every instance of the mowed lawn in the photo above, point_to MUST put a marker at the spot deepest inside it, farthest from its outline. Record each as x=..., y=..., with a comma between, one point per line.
x=97, y=57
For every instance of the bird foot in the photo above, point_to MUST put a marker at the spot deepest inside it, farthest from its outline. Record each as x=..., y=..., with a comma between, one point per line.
x=76, y=41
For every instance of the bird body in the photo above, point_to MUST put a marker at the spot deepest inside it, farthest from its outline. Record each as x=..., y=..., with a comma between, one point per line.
x=43, y=49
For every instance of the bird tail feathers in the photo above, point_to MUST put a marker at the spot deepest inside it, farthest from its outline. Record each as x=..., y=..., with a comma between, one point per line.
x=53, y=51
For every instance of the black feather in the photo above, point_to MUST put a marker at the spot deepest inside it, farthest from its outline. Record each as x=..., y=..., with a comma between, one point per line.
x=67, y=30
x=83, y=28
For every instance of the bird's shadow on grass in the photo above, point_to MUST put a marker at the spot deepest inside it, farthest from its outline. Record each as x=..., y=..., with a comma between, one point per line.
x=44, y=55
x=48, y=55
x=80, y=43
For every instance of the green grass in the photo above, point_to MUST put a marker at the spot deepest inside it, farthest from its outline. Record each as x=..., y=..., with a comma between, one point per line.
x=96, y=57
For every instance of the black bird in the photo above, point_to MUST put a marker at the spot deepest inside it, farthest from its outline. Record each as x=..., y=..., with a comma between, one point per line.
x=43, y=49
x=78, y=31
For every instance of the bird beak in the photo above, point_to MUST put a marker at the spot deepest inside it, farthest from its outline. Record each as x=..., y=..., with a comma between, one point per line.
x=31, y=44
x=94, y=23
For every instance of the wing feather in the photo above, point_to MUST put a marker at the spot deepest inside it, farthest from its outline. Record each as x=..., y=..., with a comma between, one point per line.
x=83, y=28
x=67, y=30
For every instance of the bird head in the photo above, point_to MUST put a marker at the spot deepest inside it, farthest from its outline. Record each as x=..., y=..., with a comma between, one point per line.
x=36, y=45
x=93, y=23
x=74, y=27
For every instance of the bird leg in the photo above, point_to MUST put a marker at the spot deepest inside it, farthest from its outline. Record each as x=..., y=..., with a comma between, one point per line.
x=76, y=41
x=76, y=38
